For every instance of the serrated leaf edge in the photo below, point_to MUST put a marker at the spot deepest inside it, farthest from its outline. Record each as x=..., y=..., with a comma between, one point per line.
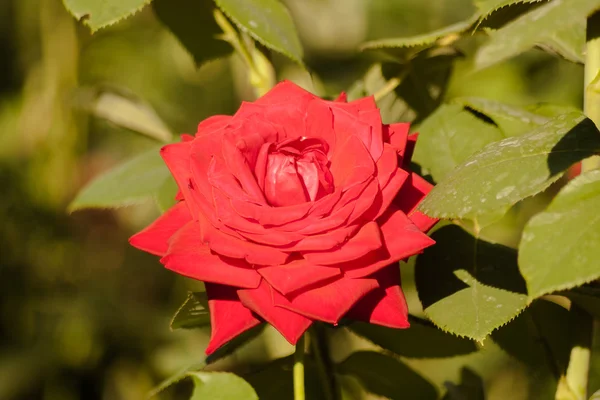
x=109, y=23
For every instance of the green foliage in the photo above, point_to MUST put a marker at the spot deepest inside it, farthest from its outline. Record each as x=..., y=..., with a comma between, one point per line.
x=133, y=182
x=193, y=313
x=267, y=21
x=100, y=14
x=193, y=23
x=469, y=287
x=570, y=226
x=471, y=387
x=505, y=172
x=407, y=342
x=449, y=136
x=221, y=386
x=387, y=376
x=165, y=196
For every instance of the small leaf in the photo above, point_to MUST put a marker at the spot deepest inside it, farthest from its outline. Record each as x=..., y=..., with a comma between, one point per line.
x=505, y=172
x=558, y=24
x=100, y=14
x=409, y=342
x=130, y=183
x=267, y=21
x=469, y=287
x=193, y=312
x=387, y=376
x=471, y=387
x=192, y=22
x=165, y=196
x=560, y=247
x=540, y=337
x=425, y=39
x=449, y=136
x=220, y=386
x=130, y=114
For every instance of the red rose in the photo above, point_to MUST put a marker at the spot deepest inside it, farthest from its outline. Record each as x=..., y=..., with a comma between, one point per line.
x=287, y=212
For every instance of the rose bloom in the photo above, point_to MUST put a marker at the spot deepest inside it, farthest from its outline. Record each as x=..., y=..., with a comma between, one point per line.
x=293, y=210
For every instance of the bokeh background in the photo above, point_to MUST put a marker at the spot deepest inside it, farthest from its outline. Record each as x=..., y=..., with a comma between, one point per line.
x=83, y=315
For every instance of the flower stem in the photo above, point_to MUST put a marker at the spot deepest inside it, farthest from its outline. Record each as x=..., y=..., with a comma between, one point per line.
x=299, y=370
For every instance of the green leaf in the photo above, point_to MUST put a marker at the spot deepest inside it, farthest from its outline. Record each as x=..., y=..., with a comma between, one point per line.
x=221, y=386
x=558, y=24
x=165, y=196
x=423, y=40
x=540, y=337
x=512, y=120
x=560, y=247
x=192, y=22
x=471, y=387
x=505, y=172
x=193, y=312
x=267, y=21
x=469, y=287
x=130, y=183
x=409, y=342
x=100, y=14
x=449, y=136
x=131, y=114
x=387, y=376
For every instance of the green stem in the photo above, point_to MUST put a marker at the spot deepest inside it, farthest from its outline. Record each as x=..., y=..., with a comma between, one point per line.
x=299, y=370
x=317, y=337
x=390, y=85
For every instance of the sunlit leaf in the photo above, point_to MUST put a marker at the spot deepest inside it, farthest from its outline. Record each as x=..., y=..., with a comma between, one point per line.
x=560, y=247
x=505, y=172
x=192, y=22
x=133, y=182
x=387, y=376
x=408, y=342
x=220, y=386
x=469, y=287
x=449, y=136
x=99, y=14
x=267, y=21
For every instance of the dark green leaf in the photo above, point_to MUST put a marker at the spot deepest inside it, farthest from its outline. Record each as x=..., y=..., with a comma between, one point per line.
x=449, y=136
x=469, y=287
x=100, y=14
x=560, y=247
x=221, y=386
x=471, y=387
x=193, y=313
x=505, y=172
x=133, y=182
x=267, y=21
x=192, y=22
x=387, y=376
x=540, y=337
x=409, y=342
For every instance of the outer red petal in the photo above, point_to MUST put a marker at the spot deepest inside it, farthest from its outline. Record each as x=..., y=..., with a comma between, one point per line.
x=189, y=257
x=260, y=300
x=154, y=239
x=329, y=302
x=409, y=197
x=228, y=316
x=297, y=275
x=285, y=92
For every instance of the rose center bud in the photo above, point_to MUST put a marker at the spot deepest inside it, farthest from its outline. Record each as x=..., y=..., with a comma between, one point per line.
x=297, y=171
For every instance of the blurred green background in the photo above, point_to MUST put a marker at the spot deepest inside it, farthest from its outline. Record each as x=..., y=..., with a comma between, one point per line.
x=83, y=315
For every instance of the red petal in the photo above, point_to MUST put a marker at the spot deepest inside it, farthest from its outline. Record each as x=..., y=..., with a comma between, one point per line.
x=367, y=239
x=409, y=197
x=342, y=98
x=209, y=125
x=189, y=257
x=410, y=149
x=228, y=316
x=230, y=246
x=319, y=124
x=373, y=119
x=285, y=92
x=288, y=323
x=386, y=305
x=329, y=302
x=283, y=184
x=398, y=135
x=154, y=238
x=351, y=163
x=296, y=275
